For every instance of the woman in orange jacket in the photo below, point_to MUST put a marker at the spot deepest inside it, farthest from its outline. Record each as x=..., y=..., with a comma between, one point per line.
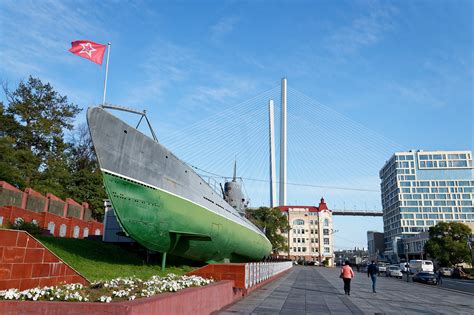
x=347, y=274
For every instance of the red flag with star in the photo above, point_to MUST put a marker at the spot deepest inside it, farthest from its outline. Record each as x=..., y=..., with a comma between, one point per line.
x=89, y=50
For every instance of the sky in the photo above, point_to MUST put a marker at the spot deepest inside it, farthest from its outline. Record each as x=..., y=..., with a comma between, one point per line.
x=377, y=76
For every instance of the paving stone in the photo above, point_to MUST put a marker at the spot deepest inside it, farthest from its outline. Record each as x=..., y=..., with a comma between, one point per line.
x=316, y=290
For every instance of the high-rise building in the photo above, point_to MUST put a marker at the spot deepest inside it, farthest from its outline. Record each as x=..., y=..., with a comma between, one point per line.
x=310, y=233
x=375, y=245
x=421, y=188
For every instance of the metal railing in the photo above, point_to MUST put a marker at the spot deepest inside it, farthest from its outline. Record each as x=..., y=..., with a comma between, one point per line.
x=258, y=272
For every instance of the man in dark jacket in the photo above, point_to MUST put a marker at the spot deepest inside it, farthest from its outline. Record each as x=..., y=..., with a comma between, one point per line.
x=372, y=271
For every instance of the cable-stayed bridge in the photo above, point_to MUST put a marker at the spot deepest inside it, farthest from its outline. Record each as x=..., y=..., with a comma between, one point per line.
x=358, y=213
x=328, y=154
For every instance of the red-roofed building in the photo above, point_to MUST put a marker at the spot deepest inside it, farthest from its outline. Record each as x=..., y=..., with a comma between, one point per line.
x=310, y=234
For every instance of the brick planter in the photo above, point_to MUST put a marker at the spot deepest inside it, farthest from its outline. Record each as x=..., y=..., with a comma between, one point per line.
x=195, y=301
x=25, y=263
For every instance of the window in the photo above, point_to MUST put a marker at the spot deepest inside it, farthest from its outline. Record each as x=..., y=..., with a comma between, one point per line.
x=76, y=232
x=51, y=226
x=326, y=222
x=294, y=239
x=326, y=241
x=298, y=222
x=62, y=230
x=326, y=232
x=326, y=250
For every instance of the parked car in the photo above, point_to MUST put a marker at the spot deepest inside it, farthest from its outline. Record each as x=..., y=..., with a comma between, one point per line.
x=403, y=266
x=446, y=272
x=394, y=271
x=382, y=268
x=425, y=277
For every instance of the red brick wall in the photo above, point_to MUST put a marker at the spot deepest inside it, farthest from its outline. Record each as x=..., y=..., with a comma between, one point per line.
x=58, y=221
x=73, y=222
x=25, y=263
x=234, y=271
x=10, y=213
x=94, y=225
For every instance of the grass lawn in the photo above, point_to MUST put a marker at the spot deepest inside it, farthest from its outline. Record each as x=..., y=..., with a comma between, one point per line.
x=103, y=261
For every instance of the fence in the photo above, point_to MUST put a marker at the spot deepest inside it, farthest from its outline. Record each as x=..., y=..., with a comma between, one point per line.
x=258, y=272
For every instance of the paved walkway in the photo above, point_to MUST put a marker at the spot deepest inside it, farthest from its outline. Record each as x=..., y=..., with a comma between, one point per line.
x=317, y=290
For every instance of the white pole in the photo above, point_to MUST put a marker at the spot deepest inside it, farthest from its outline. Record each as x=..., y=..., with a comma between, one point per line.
x=271, y=117
x=106, y=72
x=283, y=144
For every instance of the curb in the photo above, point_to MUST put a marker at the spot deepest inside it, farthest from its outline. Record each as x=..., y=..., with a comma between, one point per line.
x=454, y=290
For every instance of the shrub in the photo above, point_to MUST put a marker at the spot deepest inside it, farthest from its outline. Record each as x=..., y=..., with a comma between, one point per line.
x=30, y=227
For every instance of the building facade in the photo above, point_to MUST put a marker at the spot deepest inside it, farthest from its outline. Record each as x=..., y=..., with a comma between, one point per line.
x=421, y=188
x=375, y=245
x=414, y=247
x=310, y=235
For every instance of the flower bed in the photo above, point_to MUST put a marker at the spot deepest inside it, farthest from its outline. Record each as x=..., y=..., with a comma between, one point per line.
x=119, y=289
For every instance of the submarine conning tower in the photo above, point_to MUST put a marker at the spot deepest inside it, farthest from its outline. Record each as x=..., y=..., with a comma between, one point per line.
x=233, y=193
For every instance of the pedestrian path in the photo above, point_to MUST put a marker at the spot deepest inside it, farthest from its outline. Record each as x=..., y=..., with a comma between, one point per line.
x=317, y=290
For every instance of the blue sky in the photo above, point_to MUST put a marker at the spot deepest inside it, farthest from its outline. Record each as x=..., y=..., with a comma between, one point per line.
x=400, y=73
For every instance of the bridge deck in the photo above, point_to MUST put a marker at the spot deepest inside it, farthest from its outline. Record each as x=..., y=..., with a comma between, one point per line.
x=361, y=213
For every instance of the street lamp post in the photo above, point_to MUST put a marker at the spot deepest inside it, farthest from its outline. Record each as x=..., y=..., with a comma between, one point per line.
x=406, y=264
x=470, y=239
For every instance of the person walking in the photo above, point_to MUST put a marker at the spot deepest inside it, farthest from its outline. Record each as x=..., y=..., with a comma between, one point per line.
x=347, y=274
x=439, y=280
x=372, y=272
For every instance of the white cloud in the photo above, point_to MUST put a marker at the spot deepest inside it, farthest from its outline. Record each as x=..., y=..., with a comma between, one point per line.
x=417, y=93
x=36, y=34
x=223, y=26
x=363, y=31
x=164, y=64
x=224, y=90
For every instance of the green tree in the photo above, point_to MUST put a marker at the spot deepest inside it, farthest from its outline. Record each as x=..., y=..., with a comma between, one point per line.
x=274, y=223
x=86, y=178
x=448, y=243
x=15, y=161
x=33, y=149
x=36, y=118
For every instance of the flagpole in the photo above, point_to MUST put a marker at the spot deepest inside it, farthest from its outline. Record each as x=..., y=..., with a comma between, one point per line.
x=106, y=72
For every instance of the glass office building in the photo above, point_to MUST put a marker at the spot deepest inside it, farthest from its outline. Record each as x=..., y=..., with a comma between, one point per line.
x=421, y=188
